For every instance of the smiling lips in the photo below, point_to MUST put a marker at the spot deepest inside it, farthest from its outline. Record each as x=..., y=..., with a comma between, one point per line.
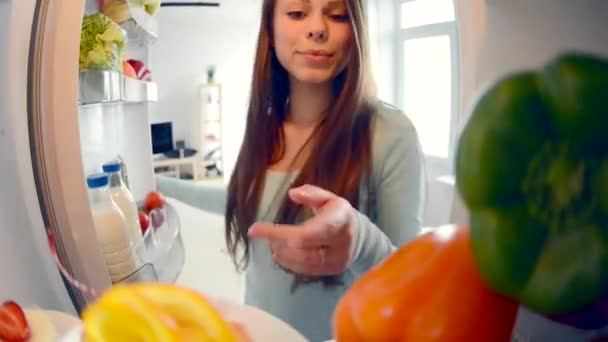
x=316, y=56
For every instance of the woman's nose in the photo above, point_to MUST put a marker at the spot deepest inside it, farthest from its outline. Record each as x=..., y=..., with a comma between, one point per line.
x=317, y=35
x=317, y=30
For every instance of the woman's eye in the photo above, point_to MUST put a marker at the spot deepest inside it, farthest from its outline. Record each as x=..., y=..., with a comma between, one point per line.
x=339, y=17
x=296, y=15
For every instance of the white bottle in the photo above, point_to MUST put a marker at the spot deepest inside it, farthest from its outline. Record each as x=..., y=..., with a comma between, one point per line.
x=126, y=203
x=112, y=230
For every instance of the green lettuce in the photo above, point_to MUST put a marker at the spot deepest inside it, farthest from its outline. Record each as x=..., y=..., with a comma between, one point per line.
x=101, y=43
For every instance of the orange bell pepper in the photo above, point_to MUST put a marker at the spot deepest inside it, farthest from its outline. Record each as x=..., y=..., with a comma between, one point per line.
x=428, y=290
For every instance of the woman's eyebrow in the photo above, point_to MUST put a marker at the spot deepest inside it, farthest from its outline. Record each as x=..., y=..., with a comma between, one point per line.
x=335, y=4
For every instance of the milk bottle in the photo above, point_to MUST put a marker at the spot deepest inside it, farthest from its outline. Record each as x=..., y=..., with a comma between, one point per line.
x=126, y=203
x=112, y=230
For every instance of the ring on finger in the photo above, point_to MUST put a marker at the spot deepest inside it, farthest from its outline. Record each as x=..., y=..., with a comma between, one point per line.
x=322, y=254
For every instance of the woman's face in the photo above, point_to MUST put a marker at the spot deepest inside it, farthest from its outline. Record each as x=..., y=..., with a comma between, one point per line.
x=312, y=38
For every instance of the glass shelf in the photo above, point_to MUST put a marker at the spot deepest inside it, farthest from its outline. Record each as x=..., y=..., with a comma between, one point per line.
x=101, y=86
x=137, y=34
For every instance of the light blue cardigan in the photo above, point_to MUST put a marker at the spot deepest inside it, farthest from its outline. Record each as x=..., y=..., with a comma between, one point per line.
x=397, y=184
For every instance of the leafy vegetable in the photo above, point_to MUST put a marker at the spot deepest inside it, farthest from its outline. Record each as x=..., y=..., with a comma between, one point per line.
x=101, y=43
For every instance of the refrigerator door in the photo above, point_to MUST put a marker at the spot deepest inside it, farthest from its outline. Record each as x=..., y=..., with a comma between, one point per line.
x=28, y=272
x=70, y=139
x=56, y=157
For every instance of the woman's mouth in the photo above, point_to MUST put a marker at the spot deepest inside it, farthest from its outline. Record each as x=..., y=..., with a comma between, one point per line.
x=316, y=56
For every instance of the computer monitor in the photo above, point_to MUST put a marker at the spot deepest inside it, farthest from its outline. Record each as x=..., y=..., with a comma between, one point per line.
x=162, y=137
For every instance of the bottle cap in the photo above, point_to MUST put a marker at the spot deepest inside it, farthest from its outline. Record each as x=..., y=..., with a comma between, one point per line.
x=97, y=180
x=113, y=166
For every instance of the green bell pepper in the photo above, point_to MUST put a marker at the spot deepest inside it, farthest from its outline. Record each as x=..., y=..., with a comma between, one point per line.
x=532, y=167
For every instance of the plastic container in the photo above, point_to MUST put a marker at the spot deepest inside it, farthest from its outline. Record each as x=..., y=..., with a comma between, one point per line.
x=112, y=230
x=165, y=245
x=123, y=198
x=164, y=253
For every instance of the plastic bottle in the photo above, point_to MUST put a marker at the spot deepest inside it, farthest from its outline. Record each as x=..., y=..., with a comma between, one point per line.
x=111, y=229
x=125, y=202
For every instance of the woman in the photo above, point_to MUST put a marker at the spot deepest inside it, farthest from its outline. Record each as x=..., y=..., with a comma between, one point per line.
x=313, y=120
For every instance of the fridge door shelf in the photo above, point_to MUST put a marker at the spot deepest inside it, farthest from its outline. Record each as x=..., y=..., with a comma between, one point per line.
x=139, y=34
x=143, y=26
x=140, y=27
x=104, y=86
x=161, y=249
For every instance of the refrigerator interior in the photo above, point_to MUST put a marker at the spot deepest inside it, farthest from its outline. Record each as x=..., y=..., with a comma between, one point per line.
x=80, y=119
x=119, y=128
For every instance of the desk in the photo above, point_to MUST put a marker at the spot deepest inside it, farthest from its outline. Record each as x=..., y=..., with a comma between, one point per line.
x=193, y=161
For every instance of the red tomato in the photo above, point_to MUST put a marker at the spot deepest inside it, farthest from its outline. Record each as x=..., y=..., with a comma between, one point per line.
x=427, y=291
x=144, y=222
x=154, y=200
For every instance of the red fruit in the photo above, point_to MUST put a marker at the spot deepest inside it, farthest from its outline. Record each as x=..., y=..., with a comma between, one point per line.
x=154, y=200
x=128, y=70
x=13, y=324
x=142, y=72
x=144, y=222
x=157, y=218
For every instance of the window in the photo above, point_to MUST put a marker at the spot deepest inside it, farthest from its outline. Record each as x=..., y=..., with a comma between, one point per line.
x=425, y=12
x=427, y=72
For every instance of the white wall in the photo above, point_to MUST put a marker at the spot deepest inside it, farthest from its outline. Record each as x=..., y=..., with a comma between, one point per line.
x=516, y=34
x=524, y=34
x=193, y=38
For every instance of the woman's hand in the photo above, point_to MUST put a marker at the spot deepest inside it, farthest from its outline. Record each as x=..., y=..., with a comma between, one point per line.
x=321, y=246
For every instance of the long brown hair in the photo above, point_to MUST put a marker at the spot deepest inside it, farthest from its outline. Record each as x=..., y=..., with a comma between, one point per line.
x=339, y=164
